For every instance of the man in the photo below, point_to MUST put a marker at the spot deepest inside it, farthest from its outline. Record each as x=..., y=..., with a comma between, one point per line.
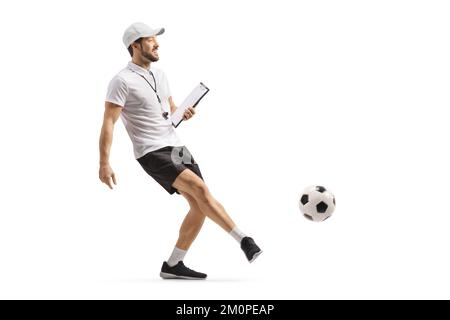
x=140, y=95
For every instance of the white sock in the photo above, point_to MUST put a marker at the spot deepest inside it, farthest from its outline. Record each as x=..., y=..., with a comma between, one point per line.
x=177, y=256
x=237, y=234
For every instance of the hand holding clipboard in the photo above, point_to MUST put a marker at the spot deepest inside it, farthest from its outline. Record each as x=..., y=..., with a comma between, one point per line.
x=191, y=101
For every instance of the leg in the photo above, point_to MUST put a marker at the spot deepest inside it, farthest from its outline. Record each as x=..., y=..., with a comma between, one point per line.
x=188, y=182
x=174, y=268
x=191, y=225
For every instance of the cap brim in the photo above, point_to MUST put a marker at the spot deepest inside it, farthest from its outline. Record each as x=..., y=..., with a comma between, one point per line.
x=155, y=32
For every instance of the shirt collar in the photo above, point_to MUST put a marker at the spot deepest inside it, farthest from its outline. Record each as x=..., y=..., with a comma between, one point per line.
x=134, y=67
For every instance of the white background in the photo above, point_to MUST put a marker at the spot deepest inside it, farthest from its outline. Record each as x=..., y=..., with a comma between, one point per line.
x=352, y=95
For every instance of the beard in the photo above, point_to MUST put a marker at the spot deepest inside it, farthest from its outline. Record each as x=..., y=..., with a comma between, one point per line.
x=150, y=56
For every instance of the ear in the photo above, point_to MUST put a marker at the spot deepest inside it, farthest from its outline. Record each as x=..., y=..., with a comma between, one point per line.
x=136, y=46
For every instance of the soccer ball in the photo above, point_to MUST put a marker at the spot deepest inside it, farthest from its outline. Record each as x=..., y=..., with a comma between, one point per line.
x=317, y=203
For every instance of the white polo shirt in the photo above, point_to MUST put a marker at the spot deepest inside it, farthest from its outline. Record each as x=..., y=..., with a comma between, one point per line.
x=142, y=113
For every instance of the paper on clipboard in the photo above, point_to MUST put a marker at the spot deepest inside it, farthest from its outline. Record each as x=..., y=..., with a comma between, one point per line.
x=191, y=101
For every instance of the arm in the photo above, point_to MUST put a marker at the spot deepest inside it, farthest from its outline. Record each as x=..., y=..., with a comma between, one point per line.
x=112, y=112
x=189, y=113
x=173, y=107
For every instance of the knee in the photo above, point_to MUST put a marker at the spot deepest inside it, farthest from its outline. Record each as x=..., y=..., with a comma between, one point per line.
x=201, y=192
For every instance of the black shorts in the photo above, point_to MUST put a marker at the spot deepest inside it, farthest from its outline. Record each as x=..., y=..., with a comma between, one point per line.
x=165, y=164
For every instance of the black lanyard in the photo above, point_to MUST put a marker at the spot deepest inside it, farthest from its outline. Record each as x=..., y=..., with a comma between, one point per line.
x=165, y=114
x=154, y=89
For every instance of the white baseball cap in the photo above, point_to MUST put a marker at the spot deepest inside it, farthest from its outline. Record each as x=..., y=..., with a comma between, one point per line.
x=139, y=30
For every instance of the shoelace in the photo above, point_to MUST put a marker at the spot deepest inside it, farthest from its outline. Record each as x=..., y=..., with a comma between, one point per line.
x=182, y=264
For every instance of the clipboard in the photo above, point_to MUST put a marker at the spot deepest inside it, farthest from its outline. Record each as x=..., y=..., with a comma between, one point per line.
x=191, y=101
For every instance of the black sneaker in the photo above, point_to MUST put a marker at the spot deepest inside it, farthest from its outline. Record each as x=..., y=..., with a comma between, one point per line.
x=180, y=271
x=251, y=250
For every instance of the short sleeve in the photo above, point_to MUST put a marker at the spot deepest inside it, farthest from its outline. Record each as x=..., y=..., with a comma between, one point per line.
x=117, y=91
